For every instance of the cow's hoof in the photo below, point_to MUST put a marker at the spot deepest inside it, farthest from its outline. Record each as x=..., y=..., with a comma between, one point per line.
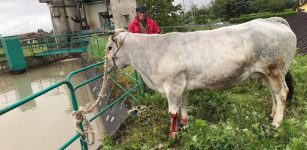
x=276, y=124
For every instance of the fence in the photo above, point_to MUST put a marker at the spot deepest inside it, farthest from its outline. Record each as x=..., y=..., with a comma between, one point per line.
x=131, y=92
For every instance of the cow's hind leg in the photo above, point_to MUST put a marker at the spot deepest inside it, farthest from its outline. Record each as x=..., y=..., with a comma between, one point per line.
x=279, y=91
x=273, y=98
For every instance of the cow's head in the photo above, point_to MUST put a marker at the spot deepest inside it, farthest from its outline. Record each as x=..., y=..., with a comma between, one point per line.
x=115, y=54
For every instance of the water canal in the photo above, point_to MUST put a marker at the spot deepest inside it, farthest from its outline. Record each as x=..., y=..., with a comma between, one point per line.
x=45, y=123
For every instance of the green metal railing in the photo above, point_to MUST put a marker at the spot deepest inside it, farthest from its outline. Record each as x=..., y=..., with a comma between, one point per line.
x=72, y=90
x=50, y=44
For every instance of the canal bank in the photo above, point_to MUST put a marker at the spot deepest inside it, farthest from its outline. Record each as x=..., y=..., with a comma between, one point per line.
x=32, y=62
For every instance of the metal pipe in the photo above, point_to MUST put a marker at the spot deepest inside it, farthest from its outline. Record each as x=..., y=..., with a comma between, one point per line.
x=82, y=69
x=30, y=98
x=62, y=6
x=85, y=82
x=73, y=100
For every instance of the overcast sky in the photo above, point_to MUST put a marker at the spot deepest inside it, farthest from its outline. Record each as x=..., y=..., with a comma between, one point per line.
x=22, y=16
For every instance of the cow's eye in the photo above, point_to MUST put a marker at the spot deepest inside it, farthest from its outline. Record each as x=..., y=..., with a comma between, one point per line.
x=110, y=48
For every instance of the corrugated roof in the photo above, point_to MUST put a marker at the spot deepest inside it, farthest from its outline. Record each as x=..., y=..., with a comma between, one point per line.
x=298, y=24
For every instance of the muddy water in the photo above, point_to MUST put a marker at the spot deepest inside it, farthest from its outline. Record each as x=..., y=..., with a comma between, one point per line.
x=45, y=123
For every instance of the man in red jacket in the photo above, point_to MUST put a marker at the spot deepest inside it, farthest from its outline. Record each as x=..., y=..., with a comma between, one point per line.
x=142, y=23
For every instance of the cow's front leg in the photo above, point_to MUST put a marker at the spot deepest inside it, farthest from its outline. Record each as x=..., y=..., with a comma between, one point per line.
x=173, y=126
x=173, y=107
x=174, y=89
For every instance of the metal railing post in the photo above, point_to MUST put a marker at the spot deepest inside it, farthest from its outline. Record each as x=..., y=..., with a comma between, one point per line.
x=137, y=81
x=76, y=108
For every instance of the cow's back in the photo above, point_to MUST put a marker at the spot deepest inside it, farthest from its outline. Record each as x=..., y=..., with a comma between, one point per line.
x=215, y=59
x=220, y=58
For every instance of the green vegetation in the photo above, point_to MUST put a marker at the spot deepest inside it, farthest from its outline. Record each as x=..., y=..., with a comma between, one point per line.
x=233, y=119
x=234, y=8
x=163, y=12
x=168, y=15
x=96, y=47
x=2, y=55
x=26, y=51
x=249, y=17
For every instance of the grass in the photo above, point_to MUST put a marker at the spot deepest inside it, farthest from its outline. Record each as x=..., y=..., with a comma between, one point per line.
x=96, y=47
x=233, y=119
x=26, y=52
x=2, y=55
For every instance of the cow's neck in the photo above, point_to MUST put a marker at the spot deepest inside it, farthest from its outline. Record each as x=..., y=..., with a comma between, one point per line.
x=141, y=56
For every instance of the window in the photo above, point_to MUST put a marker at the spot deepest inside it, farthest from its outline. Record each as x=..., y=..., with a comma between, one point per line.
x=105, y=21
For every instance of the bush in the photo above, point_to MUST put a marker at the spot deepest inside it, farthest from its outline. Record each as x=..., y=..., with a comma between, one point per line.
x=245, y=18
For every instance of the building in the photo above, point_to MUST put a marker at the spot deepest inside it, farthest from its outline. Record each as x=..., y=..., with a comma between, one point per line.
x=298, y=24
x=75, y=15
x=302, y=5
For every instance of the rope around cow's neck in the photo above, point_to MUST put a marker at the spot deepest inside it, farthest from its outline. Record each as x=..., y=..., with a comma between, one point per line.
x=79, y=115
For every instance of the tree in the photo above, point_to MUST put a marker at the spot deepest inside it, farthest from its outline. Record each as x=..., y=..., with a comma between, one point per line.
x=163, y=12
x=272, y=5
x=229, y=8
x=201, y=15
x=218, y=8
x=292, y=4
x=235, y=8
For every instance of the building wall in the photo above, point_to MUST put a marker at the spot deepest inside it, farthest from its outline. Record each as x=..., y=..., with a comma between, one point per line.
x=92, y=13
x=303, y=7
x=61, y=13
x=123, y=12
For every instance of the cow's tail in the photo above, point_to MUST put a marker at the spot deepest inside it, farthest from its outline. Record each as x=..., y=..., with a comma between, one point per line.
x=289, y=81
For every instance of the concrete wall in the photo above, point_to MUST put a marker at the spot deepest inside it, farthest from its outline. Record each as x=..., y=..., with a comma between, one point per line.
x=123, y=12
x=61, y=13
x=92, y=13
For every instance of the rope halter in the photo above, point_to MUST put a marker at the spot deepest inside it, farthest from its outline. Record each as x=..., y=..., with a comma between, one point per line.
x=118, y=46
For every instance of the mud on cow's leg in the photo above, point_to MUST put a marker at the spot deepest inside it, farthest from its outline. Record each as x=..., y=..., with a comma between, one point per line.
x=279, y=92
x=281, y=98
x=266, y=82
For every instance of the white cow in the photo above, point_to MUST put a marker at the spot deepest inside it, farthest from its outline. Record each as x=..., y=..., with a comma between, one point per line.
x=176, y=63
